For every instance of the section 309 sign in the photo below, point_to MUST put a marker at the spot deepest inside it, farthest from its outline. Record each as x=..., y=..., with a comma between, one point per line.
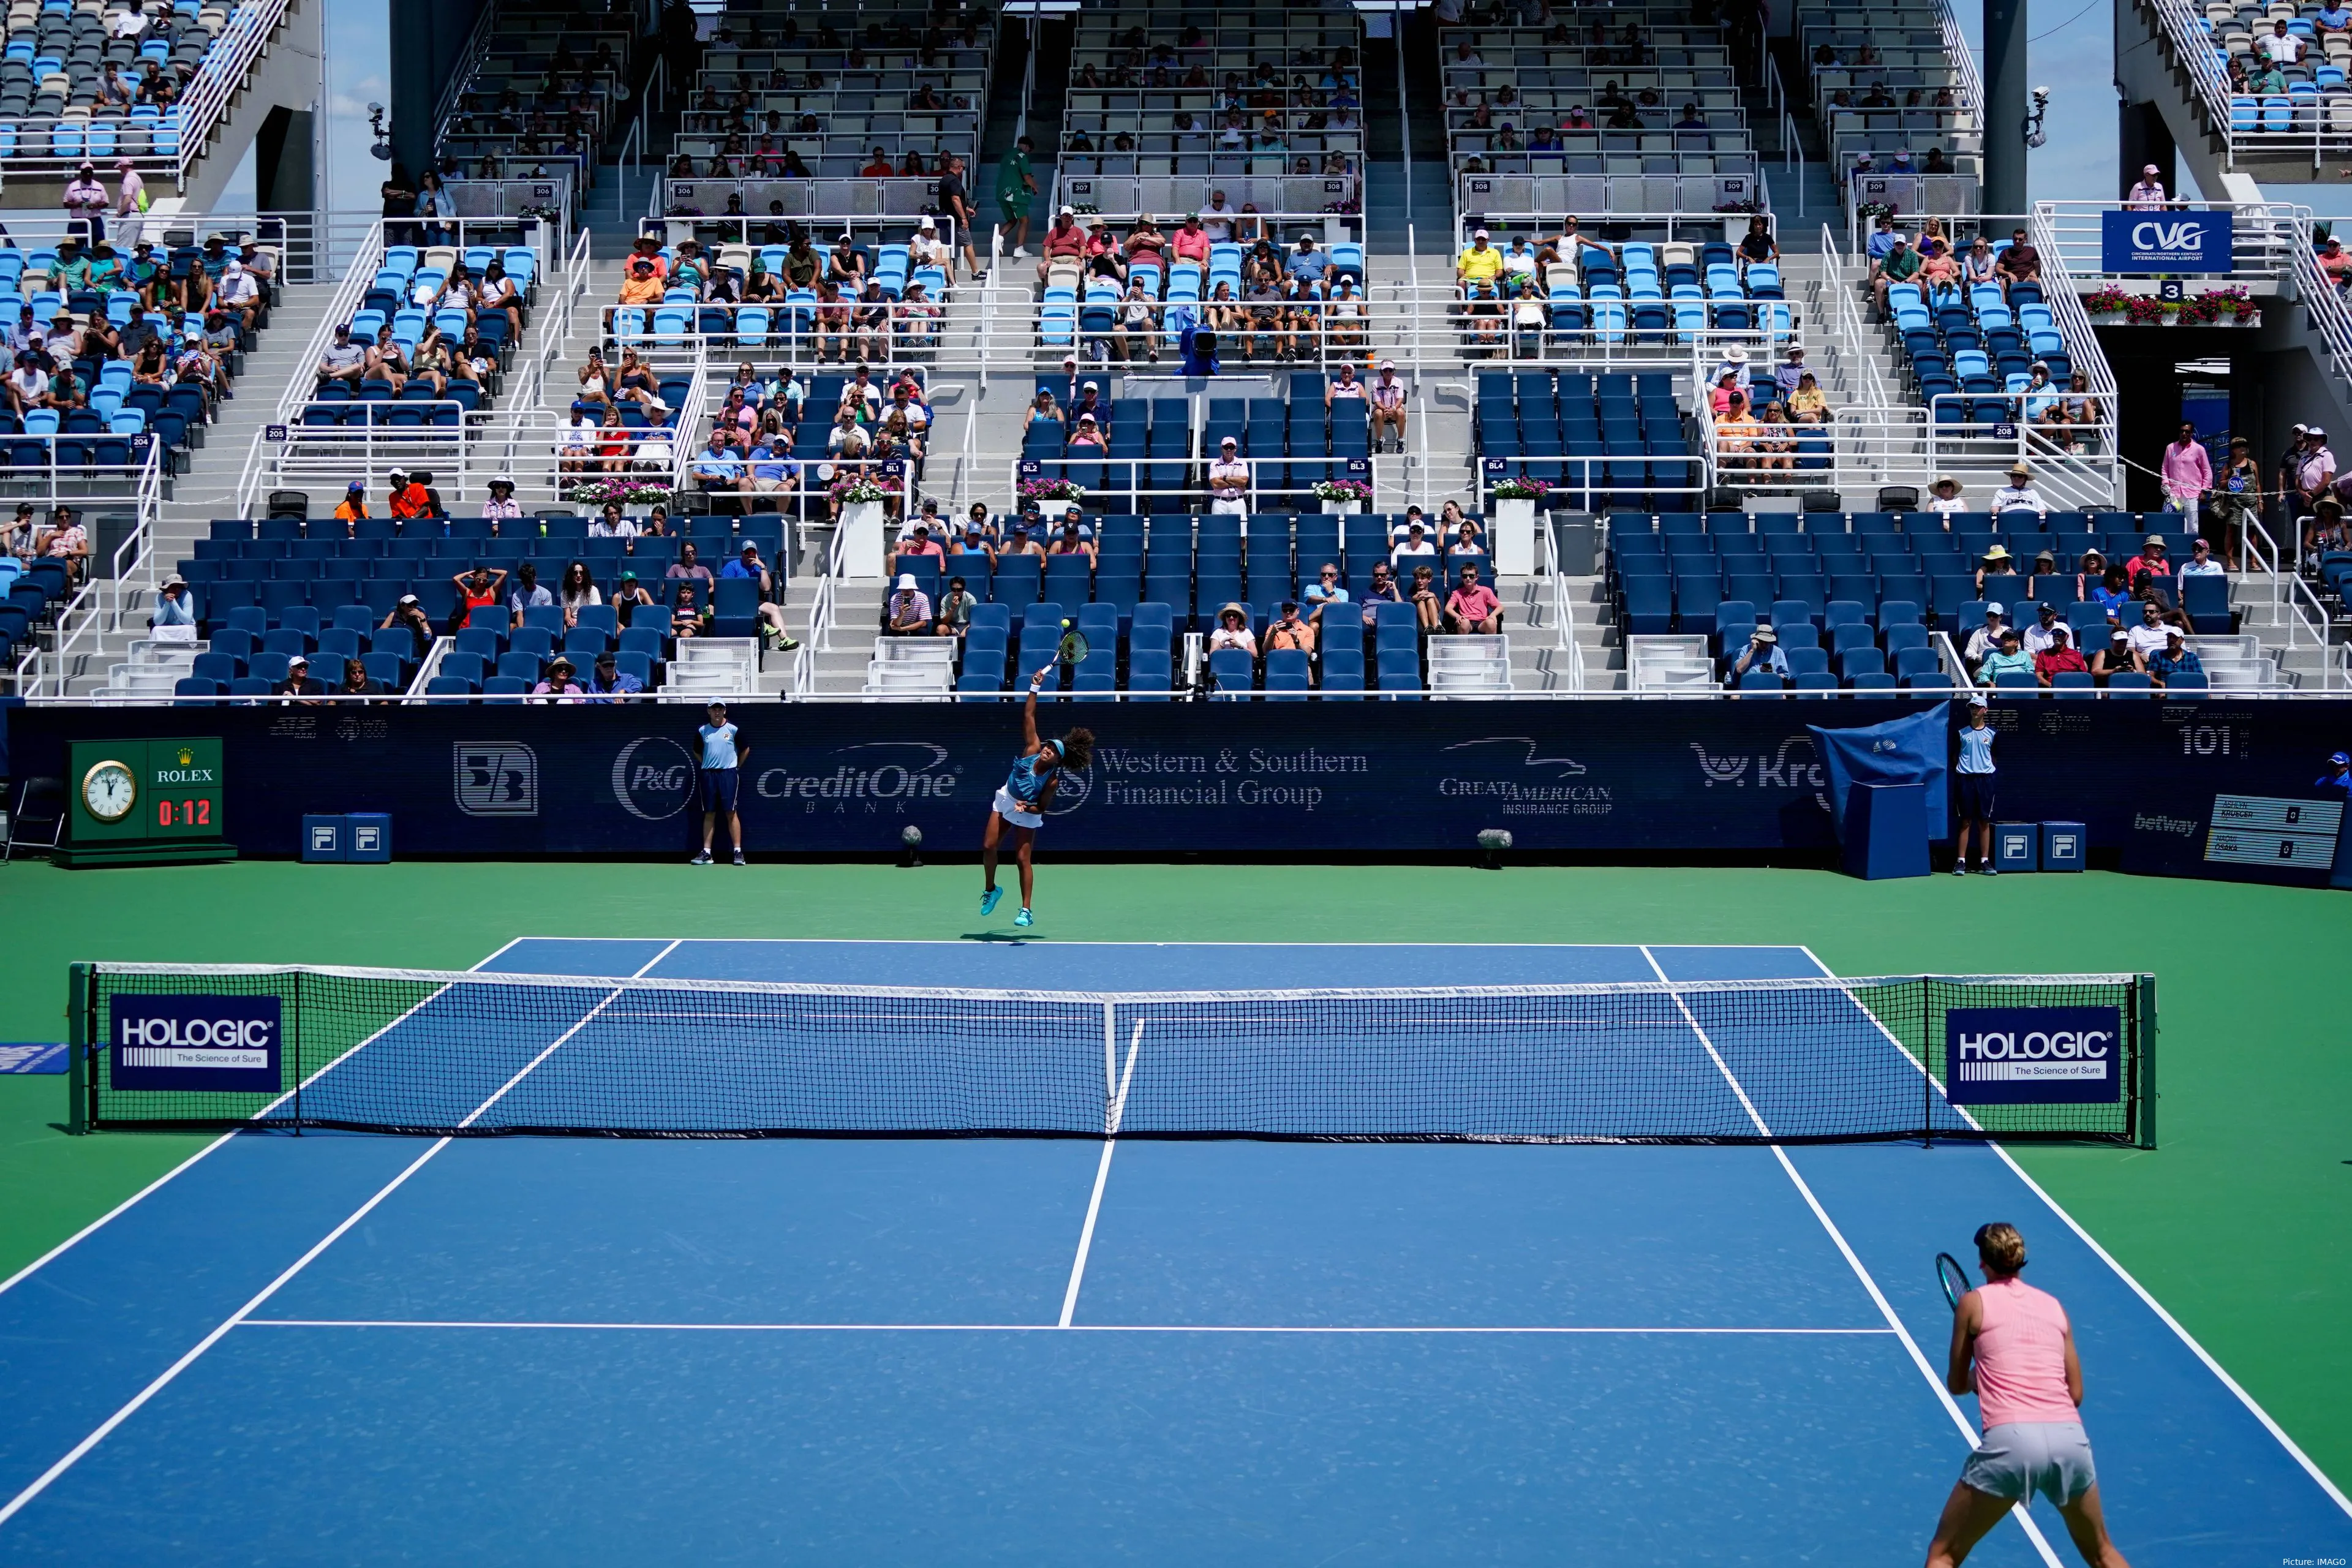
x=2033, y=1055
x=205, y=1043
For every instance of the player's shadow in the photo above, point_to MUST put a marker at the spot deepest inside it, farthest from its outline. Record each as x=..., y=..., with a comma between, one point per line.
x=1007, y=940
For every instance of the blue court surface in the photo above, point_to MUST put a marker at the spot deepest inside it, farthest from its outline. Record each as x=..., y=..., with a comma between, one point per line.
x=348, y=1349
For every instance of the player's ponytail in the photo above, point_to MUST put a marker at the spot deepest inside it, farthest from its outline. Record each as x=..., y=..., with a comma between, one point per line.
x=1078, y=749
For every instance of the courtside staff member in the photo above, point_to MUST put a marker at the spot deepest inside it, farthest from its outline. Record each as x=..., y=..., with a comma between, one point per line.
x=1973, y=780
x=722, y=763
x=2029, y=1387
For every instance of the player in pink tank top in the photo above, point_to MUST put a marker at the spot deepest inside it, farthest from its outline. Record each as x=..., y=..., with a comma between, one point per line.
x=2014, y=1349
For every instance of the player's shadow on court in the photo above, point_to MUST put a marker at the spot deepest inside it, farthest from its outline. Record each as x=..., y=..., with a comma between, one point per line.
x=997, y=936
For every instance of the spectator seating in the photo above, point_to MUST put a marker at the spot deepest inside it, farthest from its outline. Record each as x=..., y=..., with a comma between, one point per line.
x=1974, y=342
x=2316, y=95
x=1867, y=588
x=1647, y=293
x=264, y=591
x=52, y=67
x=406, y=295
x=552, y=86
x=31, y=595
x=1609, y=438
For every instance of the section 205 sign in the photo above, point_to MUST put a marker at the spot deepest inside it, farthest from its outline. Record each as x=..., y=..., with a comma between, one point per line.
x=2164, y=242
x=2033, y=1055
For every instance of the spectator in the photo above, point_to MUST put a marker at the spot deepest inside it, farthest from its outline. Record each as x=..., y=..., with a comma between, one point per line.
x=1973, y=790
x=558, y=685
x=299, y=686
x=1762, y=652
x=955, y=203
x=2008, y=658
x=629, y=595
x=358, y=682
x=2046, y=623
x=2151, y=559
x=528, y=593
x=2200, y=562
x=343, y=360
x=1229, y=480
x=1472, y=607
x=2147, y=638
x=641, y=286
x=909, y=612
x=86, y=203
x=1383, y=588
x=608, y=682
x=23, y=535
x=1479, y=266
x=1427, y=599
x=723, y=756
x=2175, y=657
x=2020, y=263
x=175, y=620
x=2279, y=47
x=955, y=608
x=716, y=468
x=1998, y=563
x=2188, y=472
x=409, y=613
x=478, y=588
x=2058, y=655
x=1899, y=269
x=576, y=592
x=131, y=194
x=28, y=383
x=2337, y=779
x=1289, y=632
x=2116, y=658
x=611, y=524
x=409, y=498
x=2018, y=493
x=2148, y=195
x=1388, y=410
x=1985, y=638
x=1325, y=591
x=1234, y=631
x=917, y=544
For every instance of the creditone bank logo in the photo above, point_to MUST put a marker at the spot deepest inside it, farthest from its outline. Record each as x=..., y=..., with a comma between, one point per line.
x=875, y=772
x=496, y=778
x=653, y=778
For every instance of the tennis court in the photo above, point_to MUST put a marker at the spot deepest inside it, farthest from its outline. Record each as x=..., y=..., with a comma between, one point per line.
x=359, y=1347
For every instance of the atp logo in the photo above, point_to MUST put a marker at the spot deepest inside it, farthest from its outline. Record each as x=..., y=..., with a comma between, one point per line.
x=496, y=778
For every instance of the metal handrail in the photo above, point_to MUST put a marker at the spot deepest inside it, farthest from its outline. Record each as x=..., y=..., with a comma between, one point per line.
x=1849, y=336
x=2265, y=237
x=97, y=607
x=2195, y=52
x=1563, y=610
x=1963, y=57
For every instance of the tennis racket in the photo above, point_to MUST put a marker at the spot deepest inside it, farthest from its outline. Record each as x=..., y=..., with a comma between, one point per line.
x=1071, y=651
x=1953, y=1277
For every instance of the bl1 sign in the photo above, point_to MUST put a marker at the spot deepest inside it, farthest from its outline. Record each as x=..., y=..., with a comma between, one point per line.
x=2164, y=242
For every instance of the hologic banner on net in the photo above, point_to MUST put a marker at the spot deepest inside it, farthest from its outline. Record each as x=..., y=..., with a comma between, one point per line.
x=199, y=1042
x=2033, y=1055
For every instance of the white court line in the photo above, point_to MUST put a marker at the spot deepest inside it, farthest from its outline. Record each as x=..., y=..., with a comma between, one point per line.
x=73, y=1456
x=2104, y=1255
x=1877, y=1297
x=110, y=1214
x=1102, y=1176
x=1028, y=1328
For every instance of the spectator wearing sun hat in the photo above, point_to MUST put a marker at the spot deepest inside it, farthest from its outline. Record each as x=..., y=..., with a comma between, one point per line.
x=2151, y=559
x=1944, y=496
x=2018, y=493
x=1998, y=563
x=1762, y=652
x=559, y=685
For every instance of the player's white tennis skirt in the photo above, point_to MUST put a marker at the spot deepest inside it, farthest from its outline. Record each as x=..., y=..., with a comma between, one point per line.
x=1014, y=811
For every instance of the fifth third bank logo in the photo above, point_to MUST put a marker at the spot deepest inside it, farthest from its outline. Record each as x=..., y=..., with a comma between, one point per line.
x=496, y=778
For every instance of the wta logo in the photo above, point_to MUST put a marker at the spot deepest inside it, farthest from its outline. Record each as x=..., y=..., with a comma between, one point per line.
x=2008, y=1056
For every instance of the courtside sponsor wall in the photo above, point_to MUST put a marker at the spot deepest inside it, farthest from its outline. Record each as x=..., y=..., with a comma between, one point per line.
x=1314, y=780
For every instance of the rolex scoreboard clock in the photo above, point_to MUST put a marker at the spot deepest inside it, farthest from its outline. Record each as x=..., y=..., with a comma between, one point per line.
x=148, y=803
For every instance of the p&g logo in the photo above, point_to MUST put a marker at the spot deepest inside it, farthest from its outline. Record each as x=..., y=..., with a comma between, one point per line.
x=653, y=778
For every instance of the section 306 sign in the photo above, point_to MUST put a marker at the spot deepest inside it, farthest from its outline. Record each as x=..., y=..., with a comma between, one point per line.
x=2033, y=1055
x=2164, y=242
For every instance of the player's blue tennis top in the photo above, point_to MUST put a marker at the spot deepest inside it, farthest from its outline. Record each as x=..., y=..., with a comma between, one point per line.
x=1024, y=784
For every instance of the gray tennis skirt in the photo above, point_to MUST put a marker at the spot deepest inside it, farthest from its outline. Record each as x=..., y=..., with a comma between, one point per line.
x=2021, y=1458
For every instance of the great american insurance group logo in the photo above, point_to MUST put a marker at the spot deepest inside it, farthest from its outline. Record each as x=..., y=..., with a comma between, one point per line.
x=1522, y=780
x=495, y=778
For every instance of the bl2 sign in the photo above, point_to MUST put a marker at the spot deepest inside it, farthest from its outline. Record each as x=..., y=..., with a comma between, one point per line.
x=2164, y=242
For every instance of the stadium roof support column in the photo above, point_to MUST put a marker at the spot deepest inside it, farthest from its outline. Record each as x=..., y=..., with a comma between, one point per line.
x=2005, y=90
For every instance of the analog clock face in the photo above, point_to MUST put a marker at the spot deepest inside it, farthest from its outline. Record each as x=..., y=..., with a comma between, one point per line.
x=109, y=791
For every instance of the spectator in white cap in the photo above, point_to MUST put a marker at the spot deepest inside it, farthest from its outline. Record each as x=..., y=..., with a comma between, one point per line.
x=1229, y=480
x=927, y=249
x=2147, y=196
x=1387, y=393
x=1987, y=637
x=1065, y=243
x=2312, y=469
x=1480, y=265
x=909, y=614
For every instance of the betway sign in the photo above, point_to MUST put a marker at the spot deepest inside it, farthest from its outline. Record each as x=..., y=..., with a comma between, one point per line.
x=2164, y=242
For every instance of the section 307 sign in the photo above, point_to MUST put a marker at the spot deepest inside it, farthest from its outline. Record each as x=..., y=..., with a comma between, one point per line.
x=2033, y=1055
x=2164, y=242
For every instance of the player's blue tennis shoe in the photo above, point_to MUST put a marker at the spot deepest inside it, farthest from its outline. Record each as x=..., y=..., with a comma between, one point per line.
x=988, y=901
x=1023, y=919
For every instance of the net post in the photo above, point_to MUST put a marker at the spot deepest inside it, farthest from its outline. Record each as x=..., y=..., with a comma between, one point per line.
x=1110, y=1064
x=80, y=1082
x=1927, y=1064
x=2144, y=1032
x=289, y=1049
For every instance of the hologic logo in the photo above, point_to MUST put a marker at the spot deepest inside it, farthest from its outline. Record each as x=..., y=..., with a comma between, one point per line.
x=653, y=778
x=223, y=1033
x=2035, y=1044
x=877, y=770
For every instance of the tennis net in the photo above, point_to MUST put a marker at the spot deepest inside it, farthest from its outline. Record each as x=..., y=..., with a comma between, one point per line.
x=2015, y=1056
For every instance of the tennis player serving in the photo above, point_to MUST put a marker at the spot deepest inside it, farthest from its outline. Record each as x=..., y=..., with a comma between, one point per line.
x=1021, y=799
x=2029, y=1389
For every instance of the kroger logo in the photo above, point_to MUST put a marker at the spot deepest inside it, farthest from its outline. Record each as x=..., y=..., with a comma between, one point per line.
x=653, y=778
x=1784, y=767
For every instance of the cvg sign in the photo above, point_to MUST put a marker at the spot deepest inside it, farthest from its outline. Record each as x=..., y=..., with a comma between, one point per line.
x=202, y=1043
x=2165, y=242
x=2033, y=1055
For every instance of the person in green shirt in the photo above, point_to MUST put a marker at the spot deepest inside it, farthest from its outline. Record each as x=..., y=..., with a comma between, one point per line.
x=1016, y=187
x=1901, y=266
x=71, y=271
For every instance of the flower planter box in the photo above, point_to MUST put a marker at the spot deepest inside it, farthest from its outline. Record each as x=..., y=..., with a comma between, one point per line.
x=1342, y=506
x=1514, y=536
x=861, y=546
